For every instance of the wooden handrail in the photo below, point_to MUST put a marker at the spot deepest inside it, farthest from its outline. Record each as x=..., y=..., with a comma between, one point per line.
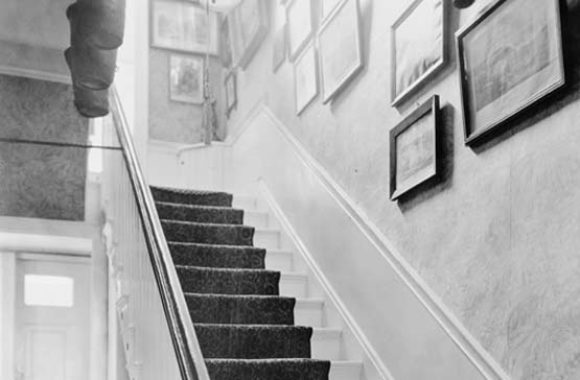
x=187, y=349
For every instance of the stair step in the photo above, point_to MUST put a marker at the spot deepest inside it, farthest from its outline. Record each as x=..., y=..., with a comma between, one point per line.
x=279, y=260
x=325, y=344
x=217, y=256
x=241, y=309
x=268, y=369
x=199, y=214
x=226, y=234
x=309, y=312
x=246, y=202
x=207, y=198
x=267, y=238
x=345, y=370
x=228, y=281
x=257, y=219
x=294, y=285
x=253, y=341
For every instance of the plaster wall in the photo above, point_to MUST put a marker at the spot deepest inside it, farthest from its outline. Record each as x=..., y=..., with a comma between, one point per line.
x=497, y=238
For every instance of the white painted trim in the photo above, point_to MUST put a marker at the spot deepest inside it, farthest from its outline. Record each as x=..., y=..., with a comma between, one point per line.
x=452, y=326
x=35, y=74
x=328, y=288
x=21, y=242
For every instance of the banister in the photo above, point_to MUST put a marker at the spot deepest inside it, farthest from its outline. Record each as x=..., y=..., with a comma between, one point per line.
x=187, y=349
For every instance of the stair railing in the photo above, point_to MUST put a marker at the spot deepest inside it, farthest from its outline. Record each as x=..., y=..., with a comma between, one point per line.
x=158, y=336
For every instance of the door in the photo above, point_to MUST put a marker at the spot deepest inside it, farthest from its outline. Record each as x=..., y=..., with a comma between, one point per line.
x=51, y=318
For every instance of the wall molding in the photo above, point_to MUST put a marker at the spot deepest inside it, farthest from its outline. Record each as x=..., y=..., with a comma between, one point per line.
x=453, y=327
x=319, y=274
x=36, y=243
x=35, y=74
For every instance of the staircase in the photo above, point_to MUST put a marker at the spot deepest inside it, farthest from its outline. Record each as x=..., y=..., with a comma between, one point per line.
x=252, y=314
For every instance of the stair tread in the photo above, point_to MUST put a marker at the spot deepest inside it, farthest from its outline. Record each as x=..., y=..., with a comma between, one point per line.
x=226, y=270
x=208, y=225
x=199, y=207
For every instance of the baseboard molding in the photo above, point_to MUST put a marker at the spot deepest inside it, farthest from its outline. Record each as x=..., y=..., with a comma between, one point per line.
x=328, y=288
x=454, y=328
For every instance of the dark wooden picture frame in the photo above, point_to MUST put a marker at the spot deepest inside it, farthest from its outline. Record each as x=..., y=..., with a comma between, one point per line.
x=329, y=38
x=231, y=92
x=415, y=149
x=412, y=32
x=247, y=34
x=510, y=58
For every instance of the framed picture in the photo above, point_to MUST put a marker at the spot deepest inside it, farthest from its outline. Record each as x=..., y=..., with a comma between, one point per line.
x=186, y=78
x=414, y=149
x=300, y=27
x=279, y=48
x=327, y=6
x=340, y=48
x=419, y=48
x=509, y=59
x=231, y=90
x=305, y=78
x=248, y=26
x=181, y=25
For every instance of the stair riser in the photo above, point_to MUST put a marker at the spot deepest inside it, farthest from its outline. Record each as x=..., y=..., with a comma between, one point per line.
x=281, y=261
x=206, y=234
x=345, y=372
x=306, y=314
x=200, y=215
x=207, y=282
x=229, y=342
x=269, y=239
x=293, y=286
x=256, y=219
x=326, y=346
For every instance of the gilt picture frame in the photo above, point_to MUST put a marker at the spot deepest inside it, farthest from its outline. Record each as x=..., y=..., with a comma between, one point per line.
x=186, y=78
x=305, y=78
x=415, y=149
x=510, y=58
x=182, y=26
x=419, y=47
x=340, y=49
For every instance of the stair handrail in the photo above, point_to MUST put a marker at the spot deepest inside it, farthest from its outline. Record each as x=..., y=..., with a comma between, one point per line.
x=189, y=357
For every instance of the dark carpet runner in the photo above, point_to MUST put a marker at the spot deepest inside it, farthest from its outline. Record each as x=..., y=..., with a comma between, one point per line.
x=245, y=328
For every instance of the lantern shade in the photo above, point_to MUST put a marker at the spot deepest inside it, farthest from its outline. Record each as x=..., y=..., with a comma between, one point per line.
x=91, y=103
x=97, y=23
x=91, y=67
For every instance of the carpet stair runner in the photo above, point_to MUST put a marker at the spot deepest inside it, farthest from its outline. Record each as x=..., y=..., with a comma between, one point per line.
x=245, y=328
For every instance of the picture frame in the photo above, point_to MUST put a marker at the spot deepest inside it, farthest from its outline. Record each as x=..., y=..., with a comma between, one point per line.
x=182, y=26
x=186, y=73
x=279, y=48
x=225, y=45
x=305, y=78
x=419, y=47
x=510, y=58
x=300, y=24
x=231, y=92
x=248, y=25
x=340, y=49
x=415, y=149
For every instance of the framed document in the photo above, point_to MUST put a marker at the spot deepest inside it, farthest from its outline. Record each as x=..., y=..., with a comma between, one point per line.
x=340, y=48
x=419, y=47
x=414, y=149
x=510, y=58
x=181, y=25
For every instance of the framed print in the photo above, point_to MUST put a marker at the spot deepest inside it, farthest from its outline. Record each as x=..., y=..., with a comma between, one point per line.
x=414, y=149
x=419, y=47
x=340, y=48
x=248, y=26
x=327, y=6
x=186, y=78
x=509, y=59
x=300, y=28
x=180, y=25
x=279, y=48
x=305, y=78
x=231, y=89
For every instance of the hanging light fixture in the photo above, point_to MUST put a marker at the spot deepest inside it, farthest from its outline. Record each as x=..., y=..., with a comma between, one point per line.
x=462, y=3
x=98, y=23
x=221, y=6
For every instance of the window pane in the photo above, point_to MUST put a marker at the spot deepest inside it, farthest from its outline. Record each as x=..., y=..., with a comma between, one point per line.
x=48, y=291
